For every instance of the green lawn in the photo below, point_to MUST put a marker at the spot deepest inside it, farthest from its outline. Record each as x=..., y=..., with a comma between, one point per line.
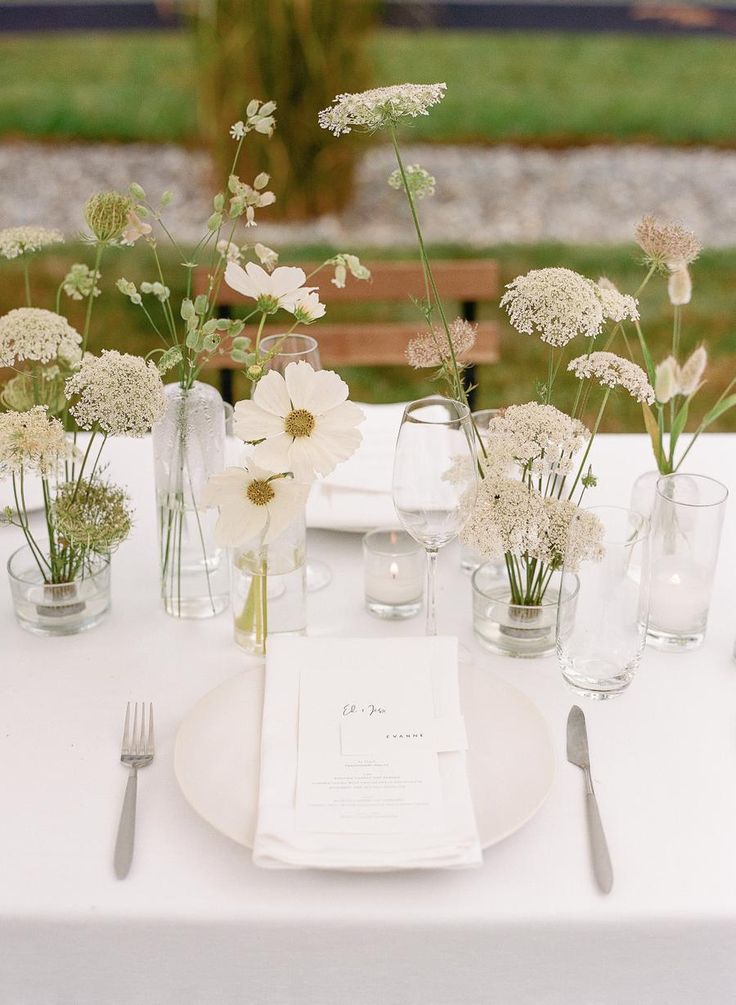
x=117, y=324
x=525, y=87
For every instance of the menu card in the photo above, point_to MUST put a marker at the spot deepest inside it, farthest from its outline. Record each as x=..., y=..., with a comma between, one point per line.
x=368, y=751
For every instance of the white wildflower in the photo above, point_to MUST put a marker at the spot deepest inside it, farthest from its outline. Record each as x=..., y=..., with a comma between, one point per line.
x=419, y=181
x=510, y=517
x=432, y=348
x=666, y=245
x=666, y=383
x=692, y=370
x=32, y=441
x=134, y=229
x=268, y=258
x=380, y=107
x=237, y=130
x=81, y=282
x=117, y=393
x=253, y=504
x=303, y=420
x=35, y=334
x=306, y=307
x=612, y=371
x=15, y=241
x=539, y=438
x=556, y=304
x=228, y=250
x=345, y=263
x=280, y=288
x=248, y=198
x=680, y=287
x=617, y=306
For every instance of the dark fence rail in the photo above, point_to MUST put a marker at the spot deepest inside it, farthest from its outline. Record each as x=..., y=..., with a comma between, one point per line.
x=643, y=18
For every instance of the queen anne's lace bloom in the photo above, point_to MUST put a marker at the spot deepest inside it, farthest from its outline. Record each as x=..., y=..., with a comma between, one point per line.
x=36, y=334
x=117, y=393
x=432, y=348
x=510, y=517
x=666, y=245
x=15, y=241
x=419, y=181
x=380, y=107
x=539, y=438
x=32, y=441
x=617, y=306
x=612, y=371
x=556, y=304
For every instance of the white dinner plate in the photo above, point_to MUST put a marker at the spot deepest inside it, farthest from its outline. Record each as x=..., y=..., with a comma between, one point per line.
x=511, y=761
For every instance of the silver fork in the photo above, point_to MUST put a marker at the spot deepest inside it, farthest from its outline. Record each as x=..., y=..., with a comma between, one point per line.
x=136, y=752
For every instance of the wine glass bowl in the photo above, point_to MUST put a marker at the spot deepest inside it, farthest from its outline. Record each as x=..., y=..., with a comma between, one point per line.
x=435, y=478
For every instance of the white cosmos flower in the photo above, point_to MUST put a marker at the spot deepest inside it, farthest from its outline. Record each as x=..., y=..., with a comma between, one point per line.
x=253, y=504
x=279, y=288
x=305, y=306
x=304, y=421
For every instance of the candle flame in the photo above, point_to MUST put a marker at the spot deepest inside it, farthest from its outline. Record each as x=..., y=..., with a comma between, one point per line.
x=394, y=570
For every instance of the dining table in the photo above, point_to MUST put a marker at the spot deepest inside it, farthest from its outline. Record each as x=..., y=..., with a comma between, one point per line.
x=196, y=921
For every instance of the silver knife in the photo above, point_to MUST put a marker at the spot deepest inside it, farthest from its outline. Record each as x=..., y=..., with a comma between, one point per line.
x=577, y=753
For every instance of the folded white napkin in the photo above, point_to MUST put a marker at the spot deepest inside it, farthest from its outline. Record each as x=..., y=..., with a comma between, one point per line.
x=357, y=495
x=279, y=843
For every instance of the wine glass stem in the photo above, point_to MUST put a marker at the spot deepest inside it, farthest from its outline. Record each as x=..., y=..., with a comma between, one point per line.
x=431, y=592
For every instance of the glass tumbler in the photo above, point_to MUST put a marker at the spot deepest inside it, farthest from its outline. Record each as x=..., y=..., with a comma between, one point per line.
x=601, y=637
x=686, y=533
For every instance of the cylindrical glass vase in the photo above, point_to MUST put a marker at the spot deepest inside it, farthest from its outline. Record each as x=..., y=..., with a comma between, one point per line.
x=269, y=589
x=685, y=536
x=189, y=446
x=515, y=629
x=601, y=637
x=58, y=608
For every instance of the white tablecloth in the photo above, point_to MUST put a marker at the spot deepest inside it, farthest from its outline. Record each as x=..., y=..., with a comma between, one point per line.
x=196, y=922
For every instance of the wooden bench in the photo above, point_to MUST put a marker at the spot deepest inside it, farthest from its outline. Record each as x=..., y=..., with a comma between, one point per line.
x=463, y=285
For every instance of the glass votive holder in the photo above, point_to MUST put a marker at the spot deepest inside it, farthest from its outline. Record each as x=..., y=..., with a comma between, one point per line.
x=685, y=540
x=394, y=565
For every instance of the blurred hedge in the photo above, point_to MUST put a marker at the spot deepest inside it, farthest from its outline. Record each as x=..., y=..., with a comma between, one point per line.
x=299, y=53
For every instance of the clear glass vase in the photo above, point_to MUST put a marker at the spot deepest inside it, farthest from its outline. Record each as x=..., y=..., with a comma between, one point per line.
x=510, y=629
x=189, y=446
x=685, y=535
x=58, y=608
x=269, y=589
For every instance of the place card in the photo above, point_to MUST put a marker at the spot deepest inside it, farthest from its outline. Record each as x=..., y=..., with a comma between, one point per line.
x=367, y=759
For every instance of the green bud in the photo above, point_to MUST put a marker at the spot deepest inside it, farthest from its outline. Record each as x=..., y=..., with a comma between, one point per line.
x=236, y=328
x=187, y=309
x=209, y=327
x=238, y=356
x=200, y=304
x=215, y=221
x=219, y=202
x=241, y=343
x=137, y=190
x=167, y=198
x=192, y=340
x=211, y=342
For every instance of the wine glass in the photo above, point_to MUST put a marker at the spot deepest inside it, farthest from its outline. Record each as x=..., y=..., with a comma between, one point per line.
x=293, y=349
x=435, y=478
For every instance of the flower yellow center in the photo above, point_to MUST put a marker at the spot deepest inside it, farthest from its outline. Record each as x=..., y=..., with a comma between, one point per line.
x=260, y=493
x=300, y=422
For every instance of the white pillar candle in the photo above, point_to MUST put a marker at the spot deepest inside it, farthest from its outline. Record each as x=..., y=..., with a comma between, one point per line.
x=680, y=595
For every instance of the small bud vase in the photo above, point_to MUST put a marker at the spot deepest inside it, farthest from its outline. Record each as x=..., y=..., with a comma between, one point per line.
x=189, y=446
x=269, y=589
x=58, y=608
x=518, y=630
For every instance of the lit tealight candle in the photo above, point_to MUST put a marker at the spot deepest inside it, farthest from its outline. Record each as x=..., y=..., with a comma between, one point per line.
x=394, y=574
x=680, y=596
